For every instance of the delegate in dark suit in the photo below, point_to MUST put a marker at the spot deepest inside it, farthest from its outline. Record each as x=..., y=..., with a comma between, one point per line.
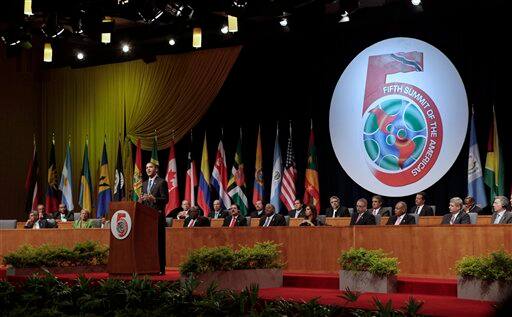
x=506, y=218
x=406, y=220
x=277, y=220
x=426, y=210
x=70, y=216
x=200, y=221
x=240, y=221
x=461, y=219
x=221, y=214
x=366, y=219
x=293, y=213
x=342, y=211
x=159, y=191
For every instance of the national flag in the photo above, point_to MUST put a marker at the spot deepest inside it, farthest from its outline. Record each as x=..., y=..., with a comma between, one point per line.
x=52, y=192
x=119, y=175
x=475, y=178
x=220, y=176
x=66, y=181
x=288, y=190
x=128, y=168
x=494, y=169
x=172, y=181
x=277, y=169
x=311, y=183
x=154, y=152
x=191, y=179
x=203, y=192
x=104, y=191
x=259, y=186
x=33, y=190
x=85, y=198
x=236, y=184
x=137, y=174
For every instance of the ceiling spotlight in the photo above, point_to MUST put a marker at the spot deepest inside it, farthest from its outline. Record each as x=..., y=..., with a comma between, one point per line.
x=416, y=2
x=196, y=37
x=344, y=17
x=47, y=53
x=239, y=4
x=80, y=56
x=224, y=29
x=283, y=22
x=27, y=8
x=125, y=48
x=172, y=41
x=232, y=24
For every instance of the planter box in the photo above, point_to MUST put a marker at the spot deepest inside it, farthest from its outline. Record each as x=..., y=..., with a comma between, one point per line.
x=483, y=290
x=240, y=279
x=362, y=281
x=28, y=271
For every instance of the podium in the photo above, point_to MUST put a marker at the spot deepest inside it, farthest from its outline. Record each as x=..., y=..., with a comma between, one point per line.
x=133, y=239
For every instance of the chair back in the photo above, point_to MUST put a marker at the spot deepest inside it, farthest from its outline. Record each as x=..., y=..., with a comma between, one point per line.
x=472, y=217
x=8, y=223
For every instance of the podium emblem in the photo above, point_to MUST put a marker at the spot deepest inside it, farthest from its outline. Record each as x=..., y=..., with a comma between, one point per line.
x=121, y=224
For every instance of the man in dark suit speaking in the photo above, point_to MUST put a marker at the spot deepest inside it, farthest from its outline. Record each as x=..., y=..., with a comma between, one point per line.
x=155, y=195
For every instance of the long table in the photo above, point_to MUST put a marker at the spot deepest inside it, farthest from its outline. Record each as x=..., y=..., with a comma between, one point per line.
x=422, y=250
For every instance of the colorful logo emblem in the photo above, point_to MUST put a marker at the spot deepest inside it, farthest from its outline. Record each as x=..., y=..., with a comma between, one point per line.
x=397, y=95
x=121, y=224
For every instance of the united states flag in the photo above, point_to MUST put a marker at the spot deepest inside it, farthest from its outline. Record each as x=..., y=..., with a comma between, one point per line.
x=289, y=176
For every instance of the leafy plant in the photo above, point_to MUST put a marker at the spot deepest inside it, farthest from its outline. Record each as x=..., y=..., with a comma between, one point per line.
x=496, y=266
x=350, y=296
x=85, y=253
x=373, y=261
x=263, y=255
x=412, y=307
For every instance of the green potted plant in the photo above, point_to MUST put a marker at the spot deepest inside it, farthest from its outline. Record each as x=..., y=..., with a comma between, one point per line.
x=87, y=256
x=487, y=277
x=367, y=271
x=235, y=269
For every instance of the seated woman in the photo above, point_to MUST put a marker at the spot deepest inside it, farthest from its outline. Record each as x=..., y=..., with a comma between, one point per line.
x=84, y=221
x=310, y=217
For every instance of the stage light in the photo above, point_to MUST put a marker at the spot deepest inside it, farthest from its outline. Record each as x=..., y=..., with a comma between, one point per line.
x=126, y=48
x=52, y=28
x=232, y=24
x=416, y=2
x=196, y=38
x=27, y=10
x=47, y=53
x=80, y=56
x=107, y=26
x=224, y=29
x=172, y=41
x=239, y=3
x=283, y=22
x=345, y=17
x=179, y=9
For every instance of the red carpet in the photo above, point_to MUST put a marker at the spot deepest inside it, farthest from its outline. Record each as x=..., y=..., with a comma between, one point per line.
x=439, y=295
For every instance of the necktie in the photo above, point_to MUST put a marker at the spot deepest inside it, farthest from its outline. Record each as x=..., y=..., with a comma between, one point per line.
x=497, y=220
x=267, y=222
x=191, y=223
x=359, y=217
x=375, y=212
x=453, y=219
x=150, y=185
x=334, y=213
x=297, y=212
x=398, y=221
x=418, y=210
x=233, y=221
x=216, y=215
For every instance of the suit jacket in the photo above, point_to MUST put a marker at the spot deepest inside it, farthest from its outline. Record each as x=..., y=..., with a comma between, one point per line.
x=406, y=220
x=366, y=219
x=426, y=210
x=200, y=222
x=159, y=191
x=254, y=214
x=341, y=212
x=302, y=213
x=505, y=219
x=382, y=212
x=462, y=219
x=43, y=224
x=241, y=221
x=476, y=209
x=70, y=216
x=277, y=220
x=222, y=214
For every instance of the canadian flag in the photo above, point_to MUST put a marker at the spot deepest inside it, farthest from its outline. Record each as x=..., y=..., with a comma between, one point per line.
x=172, y=182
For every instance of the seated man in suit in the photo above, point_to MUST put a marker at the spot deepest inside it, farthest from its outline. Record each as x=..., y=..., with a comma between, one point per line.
x=259, y=212
x=84, y=222
x=469, y=205
x=38, y=219
x=195, y=220
x=457, y=216
x=377, y=202
x=271, y=219
x=362, y=216
x=235, y=219
x=185, y=208
x=420, y=208
x=63, y=215
x=298, y=212
x=336, y=210
x=501, y=216
x=401, y=217
x=217, y=211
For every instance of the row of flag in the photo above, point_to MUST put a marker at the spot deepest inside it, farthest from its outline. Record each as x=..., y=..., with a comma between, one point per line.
x=228, y=190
